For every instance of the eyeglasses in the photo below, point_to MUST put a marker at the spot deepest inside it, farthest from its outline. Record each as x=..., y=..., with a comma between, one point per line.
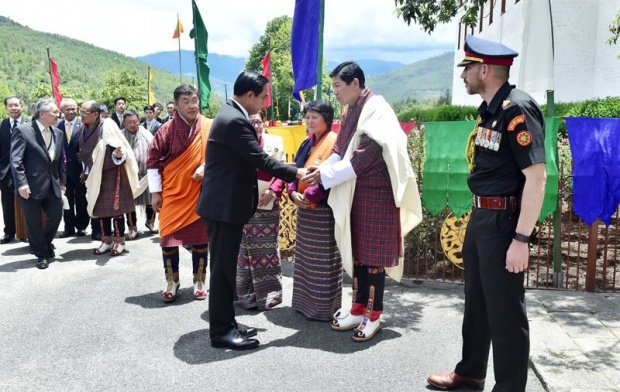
x=84, y=112
x=257, y=124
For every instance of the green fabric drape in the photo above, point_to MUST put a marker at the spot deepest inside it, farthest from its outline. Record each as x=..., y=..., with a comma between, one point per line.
x=550, y=202
x=445, y=170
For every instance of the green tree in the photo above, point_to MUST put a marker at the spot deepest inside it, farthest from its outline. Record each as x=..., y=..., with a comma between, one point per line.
x=125, y=83
x=4, y=92
x=428, y=13
x=614, y=29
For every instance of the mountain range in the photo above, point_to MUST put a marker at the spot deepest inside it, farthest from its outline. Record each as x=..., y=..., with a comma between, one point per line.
x=24, y=70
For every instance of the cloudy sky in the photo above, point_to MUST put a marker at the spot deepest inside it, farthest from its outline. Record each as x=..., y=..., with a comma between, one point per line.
x=354, y=29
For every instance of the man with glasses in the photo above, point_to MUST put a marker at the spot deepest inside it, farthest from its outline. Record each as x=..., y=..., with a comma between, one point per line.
x=175, y=167
x=13, y=106
x=36, y=163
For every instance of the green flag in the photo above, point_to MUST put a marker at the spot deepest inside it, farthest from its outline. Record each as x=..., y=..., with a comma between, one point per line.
x=445, y=169
x=550, y=201
x=200, y=35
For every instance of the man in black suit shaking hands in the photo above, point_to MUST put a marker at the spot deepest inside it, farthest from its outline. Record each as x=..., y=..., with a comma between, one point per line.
x=36, y=162
x=228, y=199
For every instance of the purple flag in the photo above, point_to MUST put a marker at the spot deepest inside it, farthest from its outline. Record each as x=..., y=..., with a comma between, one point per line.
x=595, y=147
x=305, y=44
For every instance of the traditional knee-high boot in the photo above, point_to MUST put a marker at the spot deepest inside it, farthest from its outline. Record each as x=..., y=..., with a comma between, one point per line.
x=132, y=226
x=150, y=219
x=106, y=237
x=171, y=268
x=200, y=255
x=371, y=324
x=347, y=321
x=119, y=235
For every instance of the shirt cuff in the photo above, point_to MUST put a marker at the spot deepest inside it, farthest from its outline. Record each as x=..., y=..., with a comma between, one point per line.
x=337, y=173
x=154, y=180
x=118, y=161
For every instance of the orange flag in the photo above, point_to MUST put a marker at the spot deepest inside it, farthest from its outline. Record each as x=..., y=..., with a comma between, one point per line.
x=179, y=29
x=266, y=63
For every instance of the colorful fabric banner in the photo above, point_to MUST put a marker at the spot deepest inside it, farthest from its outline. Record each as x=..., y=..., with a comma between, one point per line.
x=445, y=169
x=150, y=88
x=55, y=82
x=200, y=35
x=595, y=148
x=305, y=44
x=266, y=64
x=550, y=202
x=178, y=30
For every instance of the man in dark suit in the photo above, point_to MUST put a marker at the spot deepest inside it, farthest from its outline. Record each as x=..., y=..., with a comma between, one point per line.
x=36, y=163
x=119, y=111
x=76, y=217
x=170, y=109
x=13, y=105
x=228, y=199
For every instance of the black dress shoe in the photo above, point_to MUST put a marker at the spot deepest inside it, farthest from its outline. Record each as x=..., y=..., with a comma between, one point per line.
x=246, y=332
x=42, y=263
x=80, y=233
x=234, y=341
x=66, y=234
x=96, y=237
x=6, y=239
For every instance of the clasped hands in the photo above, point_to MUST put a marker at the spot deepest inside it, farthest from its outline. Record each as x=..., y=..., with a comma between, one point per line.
x=310, y=175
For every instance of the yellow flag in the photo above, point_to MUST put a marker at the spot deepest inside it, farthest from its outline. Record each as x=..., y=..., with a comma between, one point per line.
x=179, y=29
x=151, y=95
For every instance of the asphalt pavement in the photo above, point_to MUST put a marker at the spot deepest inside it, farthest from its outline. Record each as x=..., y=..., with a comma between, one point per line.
x=95, y=323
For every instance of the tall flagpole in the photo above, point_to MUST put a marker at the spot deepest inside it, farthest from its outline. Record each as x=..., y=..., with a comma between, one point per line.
x=179, y=39
x=49, y=67
x=319, y=71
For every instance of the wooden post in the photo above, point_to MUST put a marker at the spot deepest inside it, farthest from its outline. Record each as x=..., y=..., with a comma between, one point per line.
x=591, y=264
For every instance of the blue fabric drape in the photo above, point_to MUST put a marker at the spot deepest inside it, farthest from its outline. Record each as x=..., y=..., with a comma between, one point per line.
x=305, y=44
x=595, y=147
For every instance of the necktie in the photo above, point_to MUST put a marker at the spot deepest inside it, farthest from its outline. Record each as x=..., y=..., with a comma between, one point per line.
x=14, y=125
x=69, y=132
x=47, y=137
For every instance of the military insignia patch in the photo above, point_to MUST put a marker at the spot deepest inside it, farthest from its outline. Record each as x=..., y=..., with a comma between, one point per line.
x=524, y=138
x=520, y=119
x=506, y=103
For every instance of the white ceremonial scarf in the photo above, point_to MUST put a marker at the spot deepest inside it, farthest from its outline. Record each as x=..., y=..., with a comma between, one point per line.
x=379, y=122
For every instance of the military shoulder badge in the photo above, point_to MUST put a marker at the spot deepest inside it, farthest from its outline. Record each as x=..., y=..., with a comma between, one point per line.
x=520, y=119
x=524, y=138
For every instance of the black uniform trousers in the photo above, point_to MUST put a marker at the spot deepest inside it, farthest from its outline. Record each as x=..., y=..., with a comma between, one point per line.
x=40, y=237
x=76, y=217
x=8, y=204
x=494, y=303
x=224, y=243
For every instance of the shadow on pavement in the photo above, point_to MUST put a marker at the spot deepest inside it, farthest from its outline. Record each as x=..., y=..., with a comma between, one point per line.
x=154, y=301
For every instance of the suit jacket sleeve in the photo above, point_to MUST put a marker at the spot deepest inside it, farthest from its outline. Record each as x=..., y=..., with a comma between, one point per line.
x=241, y=138
x=18, y=148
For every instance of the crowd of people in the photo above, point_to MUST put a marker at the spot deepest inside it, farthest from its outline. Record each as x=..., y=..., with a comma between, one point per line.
x=216, y=186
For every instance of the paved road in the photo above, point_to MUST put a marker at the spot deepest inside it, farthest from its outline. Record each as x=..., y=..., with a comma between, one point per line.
x=97, y=323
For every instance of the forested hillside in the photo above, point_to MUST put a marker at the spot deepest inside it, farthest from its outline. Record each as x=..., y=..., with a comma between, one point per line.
x=422, y=80
x=86, y=71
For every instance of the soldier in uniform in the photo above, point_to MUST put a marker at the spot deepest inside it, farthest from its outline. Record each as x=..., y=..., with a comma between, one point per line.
x=506, y=157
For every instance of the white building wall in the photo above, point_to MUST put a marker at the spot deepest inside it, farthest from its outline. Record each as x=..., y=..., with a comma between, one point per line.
x=585, y=66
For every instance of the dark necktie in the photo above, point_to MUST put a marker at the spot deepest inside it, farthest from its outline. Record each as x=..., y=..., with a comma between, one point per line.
x=14, y=125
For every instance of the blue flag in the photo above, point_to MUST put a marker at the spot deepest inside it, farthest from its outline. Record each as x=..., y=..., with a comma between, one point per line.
x=305, y=44
x=595, y=147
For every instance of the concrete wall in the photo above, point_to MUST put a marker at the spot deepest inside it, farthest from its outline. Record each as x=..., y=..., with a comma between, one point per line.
x=585, y=66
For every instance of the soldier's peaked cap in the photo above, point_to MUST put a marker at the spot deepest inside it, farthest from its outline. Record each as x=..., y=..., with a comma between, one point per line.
x=482, y=51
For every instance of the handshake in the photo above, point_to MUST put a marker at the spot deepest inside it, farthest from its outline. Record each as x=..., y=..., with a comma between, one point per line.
x=310, y=175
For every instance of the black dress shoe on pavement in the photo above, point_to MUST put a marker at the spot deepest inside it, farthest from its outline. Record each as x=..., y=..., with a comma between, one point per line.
x=66, y=234
x=449, y=380
x=246, y=332
x=42, y=263
x=80, y=233
x=234, y=341
x=6, y=239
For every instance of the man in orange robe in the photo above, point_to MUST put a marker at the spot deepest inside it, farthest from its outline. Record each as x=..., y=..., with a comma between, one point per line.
x=175, y=168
